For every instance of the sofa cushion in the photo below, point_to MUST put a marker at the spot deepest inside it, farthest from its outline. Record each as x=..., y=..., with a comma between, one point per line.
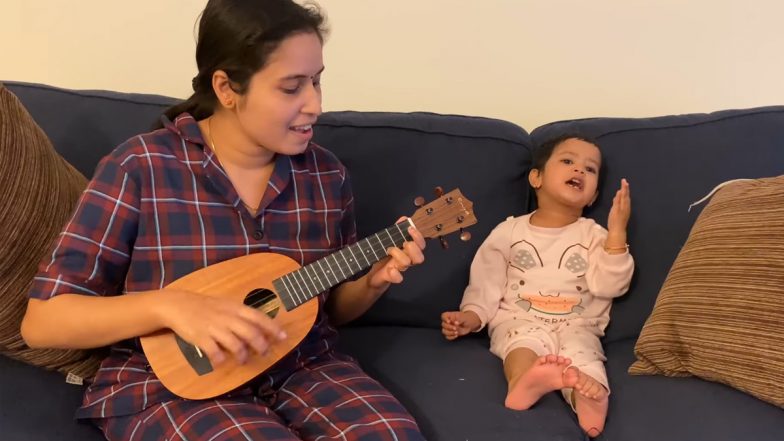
x=655, y=408
x=671, y=161
x=39, y=405
x=40, y=190
x=720, y=313
x=85, y=125
x=455, y=390
x=394, y=157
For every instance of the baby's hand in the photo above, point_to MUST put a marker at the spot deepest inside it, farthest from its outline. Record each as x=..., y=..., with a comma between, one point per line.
x=459, y=323
x=621, y=210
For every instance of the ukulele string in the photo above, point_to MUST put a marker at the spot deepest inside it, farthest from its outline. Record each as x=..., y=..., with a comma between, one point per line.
x=396, y=232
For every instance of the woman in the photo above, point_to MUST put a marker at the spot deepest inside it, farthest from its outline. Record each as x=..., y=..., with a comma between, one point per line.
x=231, y=172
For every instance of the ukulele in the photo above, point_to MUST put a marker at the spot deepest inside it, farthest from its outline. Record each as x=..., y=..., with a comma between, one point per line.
x=286, y=292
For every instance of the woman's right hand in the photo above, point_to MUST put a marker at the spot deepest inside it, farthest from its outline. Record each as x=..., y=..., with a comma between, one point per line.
x=218, y=326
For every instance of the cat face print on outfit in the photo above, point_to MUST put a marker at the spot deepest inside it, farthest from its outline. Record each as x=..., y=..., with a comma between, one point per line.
x=548, y=289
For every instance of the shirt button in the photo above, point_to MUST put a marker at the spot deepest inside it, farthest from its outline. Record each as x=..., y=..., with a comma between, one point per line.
x=258, y=235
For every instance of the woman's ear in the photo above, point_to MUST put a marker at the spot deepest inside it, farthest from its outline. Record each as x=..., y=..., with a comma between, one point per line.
x=535, y=178
x=221, y=84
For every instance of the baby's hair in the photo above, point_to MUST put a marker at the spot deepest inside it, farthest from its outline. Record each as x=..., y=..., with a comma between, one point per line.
x=542, y=153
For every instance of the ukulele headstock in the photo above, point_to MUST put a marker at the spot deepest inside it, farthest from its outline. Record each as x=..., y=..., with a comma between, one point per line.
x=448, y=213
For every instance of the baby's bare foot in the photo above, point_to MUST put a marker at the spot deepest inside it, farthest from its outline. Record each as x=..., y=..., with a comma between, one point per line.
x=570, y=376
x=590, y=403
x=545, y=375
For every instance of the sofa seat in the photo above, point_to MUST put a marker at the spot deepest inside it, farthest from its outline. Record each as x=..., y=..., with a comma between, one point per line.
x=460, y=387
x=455, y=389
x=41, y=405
x=686, y=408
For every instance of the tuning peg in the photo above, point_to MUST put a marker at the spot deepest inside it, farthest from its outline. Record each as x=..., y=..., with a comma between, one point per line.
x=419, y=201
x=444, y=243
x=439, y=191
x=465, y=236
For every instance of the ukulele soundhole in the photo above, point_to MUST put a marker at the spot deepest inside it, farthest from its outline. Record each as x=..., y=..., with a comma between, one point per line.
x=265, y=300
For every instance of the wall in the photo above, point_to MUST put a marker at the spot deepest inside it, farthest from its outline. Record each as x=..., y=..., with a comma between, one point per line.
x=526, y=61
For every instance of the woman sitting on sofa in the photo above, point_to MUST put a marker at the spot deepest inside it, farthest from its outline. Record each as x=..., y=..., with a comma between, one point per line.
x=231, y=172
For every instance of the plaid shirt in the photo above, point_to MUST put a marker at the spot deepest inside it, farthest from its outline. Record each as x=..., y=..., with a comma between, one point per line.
x=159, y=207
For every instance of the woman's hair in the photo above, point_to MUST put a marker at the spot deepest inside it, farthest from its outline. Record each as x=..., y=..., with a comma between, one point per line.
x=545, y=150
x=237, y=37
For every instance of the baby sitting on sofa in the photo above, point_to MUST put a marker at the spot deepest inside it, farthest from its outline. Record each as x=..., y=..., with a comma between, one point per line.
x=543, y=283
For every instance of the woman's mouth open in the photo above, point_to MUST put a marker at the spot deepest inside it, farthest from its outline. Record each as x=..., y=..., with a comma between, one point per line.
x=304, y=132
x=308, y=128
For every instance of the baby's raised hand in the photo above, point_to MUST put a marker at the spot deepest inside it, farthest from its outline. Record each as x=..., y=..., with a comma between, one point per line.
x=621, y=210
x=458, y=323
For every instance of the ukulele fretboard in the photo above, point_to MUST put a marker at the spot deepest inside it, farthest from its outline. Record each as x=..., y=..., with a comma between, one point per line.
x=297, y=287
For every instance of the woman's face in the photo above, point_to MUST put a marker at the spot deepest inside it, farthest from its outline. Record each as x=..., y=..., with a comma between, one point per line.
x=283, y=99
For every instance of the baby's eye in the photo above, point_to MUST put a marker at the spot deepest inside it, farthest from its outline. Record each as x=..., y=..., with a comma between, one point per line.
x=567, y=161
x=591, y=170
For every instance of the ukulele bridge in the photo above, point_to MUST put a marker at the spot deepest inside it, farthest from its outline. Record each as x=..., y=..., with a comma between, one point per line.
x=263, y=299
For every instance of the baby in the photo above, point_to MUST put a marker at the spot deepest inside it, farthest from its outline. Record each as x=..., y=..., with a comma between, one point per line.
x=543, y=284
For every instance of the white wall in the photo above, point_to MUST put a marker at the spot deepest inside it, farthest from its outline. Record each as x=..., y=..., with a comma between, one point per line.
x=527, y=61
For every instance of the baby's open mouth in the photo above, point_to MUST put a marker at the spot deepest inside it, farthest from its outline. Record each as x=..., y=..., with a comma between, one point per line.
x=576, y=183
x=301, y=129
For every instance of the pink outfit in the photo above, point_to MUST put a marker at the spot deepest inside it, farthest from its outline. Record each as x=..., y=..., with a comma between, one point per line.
x=548, y=289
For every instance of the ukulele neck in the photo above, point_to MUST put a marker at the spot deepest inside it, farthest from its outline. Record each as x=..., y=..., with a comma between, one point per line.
x=297, y=287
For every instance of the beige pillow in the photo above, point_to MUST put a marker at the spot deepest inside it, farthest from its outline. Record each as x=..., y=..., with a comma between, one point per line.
x=720, y=313
x=39, y=191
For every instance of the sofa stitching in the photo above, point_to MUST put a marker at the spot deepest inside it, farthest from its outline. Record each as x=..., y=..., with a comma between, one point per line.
x=90, y=94
x=715, y=119
x=695, y=124
x=431, y=132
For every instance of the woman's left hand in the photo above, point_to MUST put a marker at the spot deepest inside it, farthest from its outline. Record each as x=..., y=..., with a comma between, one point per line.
x=391, y=268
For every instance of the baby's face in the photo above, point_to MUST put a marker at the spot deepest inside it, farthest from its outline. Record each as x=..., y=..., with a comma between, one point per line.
x=571, y=175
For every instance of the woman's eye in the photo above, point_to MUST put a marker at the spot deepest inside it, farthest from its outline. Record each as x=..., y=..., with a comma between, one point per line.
x=290, y=91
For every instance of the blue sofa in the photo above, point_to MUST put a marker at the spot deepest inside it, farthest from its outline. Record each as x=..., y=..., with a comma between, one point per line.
x=456, y=389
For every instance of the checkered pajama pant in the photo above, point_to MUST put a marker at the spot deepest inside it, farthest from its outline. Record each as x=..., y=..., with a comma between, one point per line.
x=327, y=400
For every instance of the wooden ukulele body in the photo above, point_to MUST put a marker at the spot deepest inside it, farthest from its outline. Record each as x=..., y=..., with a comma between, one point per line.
x=232, y=279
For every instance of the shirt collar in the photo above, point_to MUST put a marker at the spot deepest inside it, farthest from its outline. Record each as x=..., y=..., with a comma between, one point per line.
x=186, y=127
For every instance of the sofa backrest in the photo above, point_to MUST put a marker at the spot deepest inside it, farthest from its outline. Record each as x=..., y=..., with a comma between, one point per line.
x=85, y=125
x=392, y=159
x=671, y=162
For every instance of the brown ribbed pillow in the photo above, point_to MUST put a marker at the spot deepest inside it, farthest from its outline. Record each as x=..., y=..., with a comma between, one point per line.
x=720, y=313
x=39, y=191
